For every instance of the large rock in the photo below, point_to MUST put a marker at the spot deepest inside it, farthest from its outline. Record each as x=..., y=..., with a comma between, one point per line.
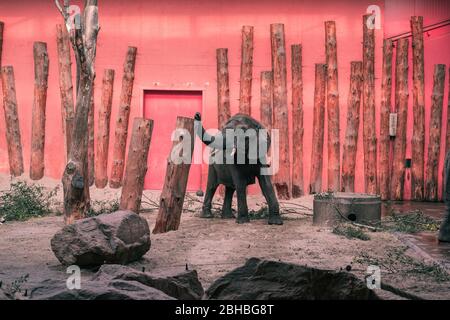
x=114, y=282
x=264, y=280
x=118, y=237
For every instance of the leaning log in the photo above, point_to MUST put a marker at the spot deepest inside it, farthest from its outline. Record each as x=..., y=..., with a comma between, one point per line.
x=13, y=138
x=334, y=157
x=104, y=117
x=351, y=133
x=297, y=121
x=280, y=108
x=65, y=84
x=91, y=133
x=315, y=184
x=401, y=107
x=245, y=91
x=178, y=165
x=266, y=100
x=123, y=117
x=437, y=102
x=223, y=87
x=41, y=64
x=418, y=137
x=133, y=182
x=385, y=110
x=369, y=129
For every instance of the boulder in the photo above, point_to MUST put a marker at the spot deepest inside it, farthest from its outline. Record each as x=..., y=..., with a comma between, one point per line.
x=118, y=237
x=268, y=280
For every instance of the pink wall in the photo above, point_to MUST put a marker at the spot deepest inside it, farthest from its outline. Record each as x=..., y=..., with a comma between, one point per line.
x=176, y=43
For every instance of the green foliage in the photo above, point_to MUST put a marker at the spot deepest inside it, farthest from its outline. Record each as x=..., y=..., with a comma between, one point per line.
x=16, y=286
x=261, y=213
x=350, y=232
x=24, y=201
x=102, y=207
x=413, y=222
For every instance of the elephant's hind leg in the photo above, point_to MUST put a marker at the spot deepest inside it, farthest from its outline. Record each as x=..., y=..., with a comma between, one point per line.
x=211, y=188
x=227, y=213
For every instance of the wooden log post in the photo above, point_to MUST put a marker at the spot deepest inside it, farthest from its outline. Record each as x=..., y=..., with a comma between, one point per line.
x=334, y=155
x=245, y=90
x=91, y=133
x=104, y=119
x=385, y=110
x=315, y=184
x=437, y=102
x=13, y=138
x=447, y=135
x=418, y=137
x=369, y=130
x=65, y=84
x=133, y=182
x=178, y=165
x=41, y=64
x=280, y=109
x=297, y=121
x=266, y=100
x=121, y=133
x=401, y=107
x=223, y=87
x=2, y=27
x=351, y=133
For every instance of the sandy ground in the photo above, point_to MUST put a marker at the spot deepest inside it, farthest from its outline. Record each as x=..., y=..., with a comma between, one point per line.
x=211, y=246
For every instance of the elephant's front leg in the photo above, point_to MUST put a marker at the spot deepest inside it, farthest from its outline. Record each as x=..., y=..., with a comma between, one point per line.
x=226, y=209
x=271, y=198
x=240, y=184
x=211, y=188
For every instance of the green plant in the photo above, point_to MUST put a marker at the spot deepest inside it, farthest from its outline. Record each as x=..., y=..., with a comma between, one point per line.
x=261, y=213
x=350, y=232
x=24, y=201
x=15, y=286
x=414, y=222
x=102, y=207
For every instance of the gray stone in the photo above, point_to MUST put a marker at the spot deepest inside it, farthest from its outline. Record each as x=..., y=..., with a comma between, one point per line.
x=271, y=280
x=118, y=237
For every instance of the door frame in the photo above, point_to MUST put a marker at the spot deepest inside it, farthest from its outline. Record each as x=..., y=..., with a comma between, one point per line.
x=143, y=89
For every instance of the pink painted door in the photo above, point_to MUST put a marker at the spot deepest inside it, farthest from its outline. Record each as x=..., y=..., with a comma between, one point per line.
x=164, y=107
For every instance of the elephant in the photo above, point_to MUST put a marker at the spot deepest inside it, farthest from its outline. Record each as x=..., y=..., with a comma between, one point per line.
x=234, y=147
x=444, y=230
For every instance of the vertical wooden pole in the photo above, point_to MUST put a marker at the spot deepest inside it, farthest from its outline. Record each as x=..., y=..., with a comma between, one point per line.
x=133, y=182
x=280, y=108
x=447, y=135
x=297, y=121
x=315, y=184
x=401, y=107
x=41, y=64
x=13, y=138
x=370, y=138
x=437, y=102
x=223, y=87
x=91, y=155
x=332, y=106
x=104, y=117
x=245, y=91
x=121, y=133
x=266, y=100
x=174, y=190
x=2, y=27
x=418, y=137
x=65, y=84
x=385, y=110
x=351, y=133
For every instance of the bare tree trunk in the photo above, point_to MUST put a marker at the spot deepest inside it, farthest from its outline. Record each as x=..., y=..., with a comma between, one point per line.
x=121, y=133
x=91, y=133
x=174, y=190
x=418, y=137
x=437, y=99
x=104, y=117
x=447, y=136
x=65, y=84
x=266, y=100
x=41, y=64
x=385, y=110
x=133, y=182
x=401, y=107
x=334, y=154
x=223, y=88
x=351, y=134
x=297, y=121
x=280, y=108
x=13, y=138
x=2, y=27
x=315, y=184
x=245, y=92
x=370, y=138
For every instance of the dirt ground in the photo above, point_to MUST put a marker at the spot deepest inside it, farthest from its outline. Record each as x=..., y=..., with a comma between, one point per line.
x=213, y=246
